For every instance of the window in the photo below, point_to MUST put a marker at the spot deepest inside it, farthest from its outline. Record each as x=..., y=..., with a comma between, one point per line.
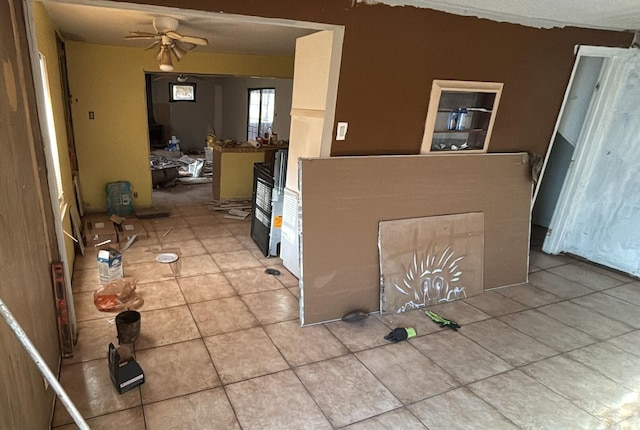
x=262, y=102
x=182, y=92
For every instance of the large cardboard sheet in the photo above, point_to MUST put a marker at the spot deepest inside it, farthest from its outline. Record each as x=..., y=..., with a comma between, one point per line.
x=429, y=261
x=344, y=199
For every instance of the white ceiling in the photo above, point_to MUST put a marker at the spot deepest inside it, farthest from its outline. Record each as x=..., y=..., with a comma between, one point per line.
x=601, y=14
x=105, y=22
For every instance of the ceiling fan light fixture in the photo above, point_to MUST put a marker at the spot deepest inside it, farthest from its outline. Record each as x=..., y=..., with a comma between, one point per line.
x=166, y=65
x=178, y=51
x=167, y=37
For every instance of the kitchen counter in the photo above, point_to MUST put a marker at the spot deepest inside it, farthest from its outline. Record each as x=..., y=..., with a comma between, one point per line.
x=233, y=168
x=245, y=147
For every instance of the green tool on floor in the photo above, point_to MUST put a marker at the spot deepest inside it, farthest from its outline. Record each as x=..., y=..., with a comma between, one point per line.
x=442, y=321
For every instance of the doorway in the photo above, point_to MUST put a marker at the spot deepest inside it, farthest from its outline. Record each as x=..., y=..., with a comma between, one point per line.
x=217, y=115
x=588, y=188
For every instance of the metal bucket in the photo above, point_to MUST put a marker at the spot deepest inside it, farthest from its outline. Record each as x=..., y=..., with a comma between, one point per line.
x=128, y=326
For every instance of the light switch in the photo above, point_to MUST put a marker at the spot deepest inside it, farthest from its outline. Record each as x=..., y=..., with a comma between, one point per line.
x=341, y=132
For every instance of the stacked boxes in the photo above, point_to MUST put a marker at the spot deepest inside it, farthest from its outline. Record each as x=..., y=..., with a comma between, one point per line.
x=128, y=228
x=99, y=229
x=111, y=232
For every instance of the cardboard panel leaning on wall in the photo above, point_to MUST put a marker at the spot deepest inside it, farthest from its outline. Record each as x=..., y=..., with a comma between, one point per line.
x=344, y=199
x=28, y=236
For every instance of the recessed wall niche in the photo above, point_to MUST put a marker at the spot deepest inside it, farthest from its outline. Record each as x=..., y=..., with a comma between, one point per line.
x=460, y=116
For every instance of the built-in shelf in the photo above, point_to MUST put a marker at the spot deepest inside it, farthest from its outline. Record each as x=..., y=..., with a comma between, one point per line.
x=461, y=116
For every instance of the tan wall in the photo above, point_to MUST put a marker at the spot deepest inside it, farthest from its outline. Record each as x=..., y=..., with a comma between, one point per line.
x=391, y=55
x=109, y=81
x=26, y=244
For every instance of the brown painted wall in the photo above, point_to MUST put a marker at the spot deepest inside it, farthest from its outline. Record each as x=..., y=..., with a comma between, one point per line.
x=392, y=54
x=25, y=251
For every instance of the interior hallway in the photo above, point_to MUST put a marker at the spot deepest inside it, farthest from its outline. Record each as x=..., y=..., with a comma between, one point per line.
x=221, y=348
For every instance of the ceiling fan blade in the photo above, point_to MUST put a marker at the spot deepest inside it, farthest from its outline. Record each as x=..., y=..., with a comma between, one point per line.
x=154, y=44
x=140, y=34
x=188, y=39
x=184, y=46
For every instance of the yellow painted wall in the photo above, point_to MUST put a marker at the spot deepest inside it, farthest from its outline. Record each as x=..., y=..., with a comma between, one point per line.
x=109, y=81
x=46, y=39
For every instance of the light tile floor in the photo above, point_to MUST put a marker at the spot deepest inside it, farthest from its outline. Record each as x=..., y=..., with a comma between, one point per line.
x=222, y=348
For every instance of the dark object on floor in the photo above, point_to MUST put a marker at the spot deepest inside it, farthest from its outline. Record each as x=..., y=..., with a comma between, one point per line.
x=401, y=333
x=275, y=272
x=355, y=316
x=125, y=373
x=128, y=326
x=442, y=321
x=153, y=212
x=163, y=176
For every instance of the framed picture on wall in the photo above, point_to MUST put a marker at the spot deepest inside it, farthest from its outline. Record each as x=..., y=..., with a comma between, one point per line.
x=185, y=92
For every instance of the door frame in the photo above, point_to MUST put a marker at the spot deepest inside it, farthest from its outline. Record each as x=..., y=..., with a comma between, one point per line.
x=580, y=51
x=59, y=211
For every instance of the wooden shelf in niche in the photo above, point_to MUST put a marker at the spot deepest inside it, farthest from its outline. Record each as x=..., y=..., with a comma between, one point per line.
x=460, y=117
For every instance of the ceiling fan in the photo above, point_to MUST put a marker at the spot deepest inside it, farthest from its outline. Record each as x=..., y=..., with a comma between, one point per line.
x=168, y=40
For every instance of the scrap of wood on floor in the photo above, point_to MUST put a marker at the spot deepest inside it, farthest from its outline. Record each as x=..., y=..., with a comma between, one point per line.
x=236, y=209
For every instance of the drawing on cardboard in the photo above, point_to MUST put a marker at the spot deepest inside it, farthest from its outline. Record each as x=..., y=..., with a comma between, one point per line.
x=437, y=281
x=429, y=261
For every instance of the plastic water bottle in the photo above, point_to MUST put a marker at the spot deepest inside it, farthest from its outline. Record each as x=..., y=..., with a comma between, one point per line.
x=464, y=119
x=453, y=120
x=174, y=144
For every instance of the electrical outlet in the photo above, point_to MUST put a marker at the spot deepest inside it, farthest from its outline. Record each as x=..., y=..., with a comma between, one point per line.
x=135, y=194
x=92, y=115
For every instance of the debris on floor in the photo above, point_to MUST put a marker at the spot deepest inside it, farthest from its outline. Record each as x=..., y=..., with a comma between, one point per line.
x=354, y=316
x=118, y=295
x=169, y=167
x=236, y=209
x=225, y=205
x=237, y=214
x=153, y=212
x=274, y=272
x=444, y=322
x=125, y=373
x=189, y=181
x=401, y=333
x=169, y=256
